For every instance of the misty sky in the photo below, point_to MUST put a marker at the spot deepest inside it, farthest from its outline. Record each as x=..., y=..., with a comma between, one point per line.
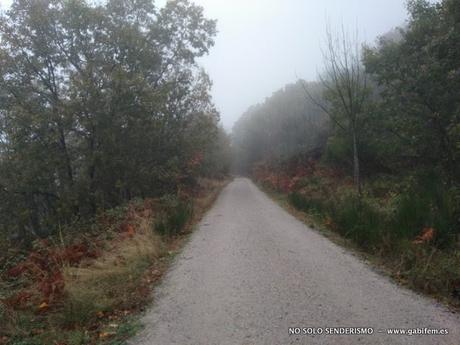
x=263, y=44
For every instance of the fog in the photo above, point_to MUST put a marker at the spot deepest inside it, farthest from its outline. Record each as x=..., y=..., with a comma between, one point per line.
x=264, y=44
x=281, y=130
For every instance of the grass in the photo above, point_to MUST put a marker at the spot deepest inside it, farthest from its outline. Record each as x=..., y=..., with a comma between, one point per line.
x=174, y=216
x=98, y=292
x=109, y=281
x=104, y=296
x=386, y=227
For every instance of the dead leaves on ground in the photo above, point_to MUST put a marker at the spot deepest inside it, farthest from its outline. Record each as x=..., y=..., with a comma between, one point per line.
x=43, y=280
x=426, y=236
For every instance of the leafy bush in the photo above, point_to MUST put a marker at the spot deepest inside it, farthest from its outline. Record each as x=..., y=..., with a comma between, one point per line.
x=355, y=218
x=338, y=151
x=302, y=203
x=427, y=204
x=175, y=214
x=410, y=216
x=99, y=162
x=358, y=219
x=410, y=222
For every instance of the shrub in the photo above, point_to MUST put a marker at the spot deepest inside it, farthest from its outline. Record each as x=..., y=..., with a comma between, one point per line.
x=427, y=204
x=357, y=219
x=174, y=215
x=306, y=204
x=410, y=216
x=109, y=281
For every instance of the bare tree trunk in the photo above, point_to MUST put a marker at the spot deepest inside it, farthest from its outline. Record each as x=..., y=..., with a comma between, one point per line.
x=345, y=84
x=356, y=171
x=65, y=152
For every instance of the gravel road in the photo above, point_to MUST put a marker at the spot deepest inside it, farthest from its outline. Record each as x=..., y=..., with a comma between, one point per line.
x=251, y=271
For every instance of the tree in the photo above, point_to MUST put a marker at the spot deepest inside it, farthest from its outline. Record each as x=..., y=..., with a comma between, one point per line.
x=100, y=103
x=283, y=126
x=420, y=81
x=346, y=90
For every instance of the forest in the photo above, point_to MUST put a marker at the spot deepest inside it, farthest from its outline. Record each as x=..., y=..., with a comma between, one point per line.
x=371, y=150
x=110, y=146
x=112, y=150
x=100, y=105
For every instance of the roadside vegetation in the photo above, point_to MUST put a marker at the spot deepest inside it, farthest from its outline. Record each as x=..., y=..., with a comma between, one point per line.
x=110, y=150
x=378, y=160
x=88, y=285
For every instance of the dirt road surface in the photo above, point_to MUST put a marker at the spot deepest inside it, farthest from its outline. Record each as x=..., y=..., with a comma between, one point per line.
x=251, y=271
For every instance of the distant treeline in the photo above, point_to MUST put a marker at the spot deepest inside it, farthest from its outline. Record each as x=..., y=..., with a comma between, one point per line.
x=404, y=110
x=101, y=103
x=371, y=151
x=285, y=125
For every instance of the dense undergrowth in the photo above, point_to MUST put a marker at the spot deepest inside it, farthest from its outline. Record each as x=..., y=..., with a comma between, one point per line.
x=409, y=223
x=86, y=285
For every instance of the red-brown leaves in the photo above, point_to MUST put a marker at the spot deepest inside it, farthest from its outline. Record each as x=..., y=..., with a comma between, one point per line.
x=75, y=253
x=16, y=271
x=19, y=300
x=195, y=161
x=52, y=286
x=287, y=177
x=426, y=236
x=43, y=271
x=283, y=180
x=43, y=306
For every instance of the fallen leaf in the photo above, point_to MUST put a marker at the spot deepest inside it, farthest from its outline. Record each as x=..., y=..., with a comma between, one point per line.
x=130, y=231
x=43, y=306
x=426, y=236
x=104, y=335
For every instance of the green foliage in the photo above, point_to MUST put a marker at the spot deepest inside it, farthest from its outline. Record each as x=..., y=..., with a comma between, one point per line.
x=338, y=151
x=372, y=222
x=429, y=203
x=314, y=205
x=354, y=217
x=358, y=219
x=218, y=159
x=388, y=225
x=419, y=100
x=101, y=103
x=175, y=215
x=126, y=330
x=410, y=215
x=399, y=118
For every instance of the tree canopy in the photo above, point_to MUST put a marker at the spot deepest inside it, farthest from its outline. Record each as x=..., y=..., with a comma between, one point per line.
x=100, y=103
x=396, y=103
x=419, y=79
